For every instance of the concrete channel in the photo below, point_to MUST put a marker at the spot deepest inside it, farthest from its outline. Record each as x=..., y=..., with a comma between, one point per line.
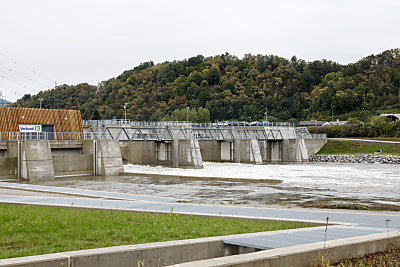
x=349, y=234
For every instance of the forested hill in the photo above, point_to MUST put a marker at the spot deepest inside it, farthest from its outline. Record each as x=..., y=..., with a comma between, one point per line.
x=233, y=88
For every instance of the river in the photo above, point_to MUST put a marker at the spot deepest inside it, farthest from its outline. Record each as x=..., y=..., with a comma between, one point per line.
x=317, y=182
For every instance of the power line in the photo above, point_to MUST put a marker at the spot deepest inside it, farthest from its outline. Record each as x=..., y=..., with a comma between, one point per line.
x=22, y=75
x=34, y=90
x=19, y=79
x=12, y=88
x=27, y=67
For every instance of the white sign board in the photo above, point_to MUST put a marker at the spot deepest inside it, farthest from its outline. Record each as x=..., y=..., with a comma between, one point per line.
x=28, y=128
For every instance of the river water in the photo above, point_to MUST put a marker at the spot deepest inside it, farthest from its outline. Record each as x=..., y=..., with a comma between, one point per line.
x=320, y=182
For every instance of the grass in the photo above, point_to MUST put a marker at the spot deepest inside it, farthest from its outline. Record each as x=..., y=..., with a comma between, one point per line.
x=341, y=147
x=349, y=206
x=389, y=257
x=29, y=230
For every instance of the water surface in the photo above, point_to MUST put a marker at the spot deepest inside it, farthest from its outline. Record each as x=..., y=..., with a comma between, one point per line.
x=321, y=182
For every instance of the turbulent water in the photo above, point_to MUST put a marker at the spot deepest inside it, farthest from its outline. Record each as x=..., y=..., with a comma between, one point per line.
x=321, y=182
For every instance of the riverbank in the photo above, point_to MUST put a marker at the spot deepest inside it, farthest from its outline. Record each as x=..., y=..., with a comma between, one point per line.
x=364, y=158
x=359, y=147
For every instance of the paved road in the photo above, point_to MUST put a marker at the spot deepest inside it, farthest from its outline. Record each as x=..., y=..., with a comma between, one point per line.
x=351, y=224
x=370, y=141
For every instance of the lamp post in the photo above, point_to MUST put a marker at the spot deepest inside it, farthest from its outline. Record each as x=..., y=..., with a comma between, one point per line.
x=40, y=105
x=332, y=113
x=187, y=114
x=266, y=111
x=125, y=110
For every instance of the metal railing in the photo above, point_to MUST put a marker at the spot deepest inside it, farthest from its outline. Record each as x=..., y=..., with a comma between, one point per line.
x=107, y=122
x=319, y=136
x=18, y=136
x=120, y=122
x=166, y=134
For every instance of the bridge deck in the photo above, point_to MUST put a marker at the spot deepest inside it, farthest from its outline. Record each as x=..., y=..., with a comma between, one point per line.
x=166, y=134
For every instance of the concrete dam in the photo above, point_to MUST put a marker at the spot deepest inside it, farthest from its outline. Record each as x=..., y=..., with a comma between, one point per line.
x=102, y=151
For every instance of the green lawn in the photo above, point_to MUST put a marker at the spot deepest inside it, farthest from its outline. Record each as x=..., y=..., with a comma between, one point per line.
x=29, y=230
x=333, y=147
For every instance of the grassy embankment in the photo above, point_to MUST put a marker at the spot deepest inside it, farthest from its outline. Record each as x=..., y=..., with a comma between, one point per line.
x=29, y=230
x=340, y=147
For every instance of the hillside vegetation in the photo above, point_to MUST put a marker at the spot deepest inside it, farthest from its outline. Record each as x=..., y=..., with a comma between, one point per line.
x=232, y=88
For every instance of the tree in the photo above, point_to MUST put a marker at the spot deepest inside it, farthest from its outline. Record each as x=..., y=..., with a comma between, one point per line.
x=96, y=115
x=203, y=115
x=213, y=76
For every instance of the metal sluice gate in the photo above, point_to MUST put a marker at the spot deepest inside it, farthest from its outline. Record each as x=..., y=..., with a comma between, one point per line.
x=166, y=134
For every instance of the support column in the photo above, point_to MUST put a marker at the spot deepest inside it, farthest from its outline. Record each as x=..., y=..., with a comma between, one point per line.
x=277, y=152
x=302, y=153
x=255, y=149
x=238, y=150
x=175, y=153
x=195, y=154
x=109, y=158
x=36, y=161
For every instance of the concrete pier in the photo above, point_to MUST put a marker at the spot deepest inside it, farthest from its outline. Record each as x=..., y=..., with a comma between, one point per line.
x=36, y=161
x=44, y=160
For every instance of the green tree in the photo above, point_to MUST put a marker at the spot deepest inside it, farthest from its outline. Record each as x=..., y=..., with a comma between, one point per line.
x=203, y=115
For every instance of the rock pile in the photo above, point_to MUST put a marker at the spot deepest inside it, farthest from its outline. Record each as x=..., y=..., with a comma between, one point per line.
x=365, y=158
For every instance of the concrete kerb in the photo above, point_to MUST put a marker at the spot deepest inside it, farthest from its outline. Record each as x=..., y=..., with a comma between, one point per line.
x=204, y=248
x=174, y=252
x=306, y=255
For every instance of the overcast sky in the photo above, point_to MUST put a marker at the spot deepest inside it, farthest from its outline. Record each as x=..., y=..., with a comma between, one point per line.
x=76, y=41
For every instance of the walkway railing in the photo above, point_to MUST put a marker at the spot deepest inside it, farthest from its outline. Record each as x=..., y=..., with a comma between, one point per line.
x=122, y=122
x=17, y=136
x=319, y=136
x=166, y=134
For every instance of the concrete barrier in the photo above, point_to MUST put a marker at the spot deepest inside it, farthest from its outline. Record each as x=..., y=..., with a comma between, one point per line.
x=210, y=252
x=305, y=255
x=152, y=254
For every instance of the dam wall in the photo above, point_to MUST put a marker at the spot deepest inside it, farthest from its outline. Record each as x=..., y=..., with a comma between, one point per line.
x=37, y=160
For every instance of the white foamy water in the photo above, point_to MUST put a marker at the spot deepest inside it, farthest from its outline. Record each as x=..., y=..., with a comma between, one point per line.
x=325, y=182
x=354, y=182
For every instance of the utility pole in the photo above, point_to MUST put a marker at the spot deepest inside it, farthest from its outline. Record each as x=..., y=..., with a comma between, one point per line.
x=332, y=113
x=2, y=100
x=54, y=103
x=40, y=99
x=187, y=115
